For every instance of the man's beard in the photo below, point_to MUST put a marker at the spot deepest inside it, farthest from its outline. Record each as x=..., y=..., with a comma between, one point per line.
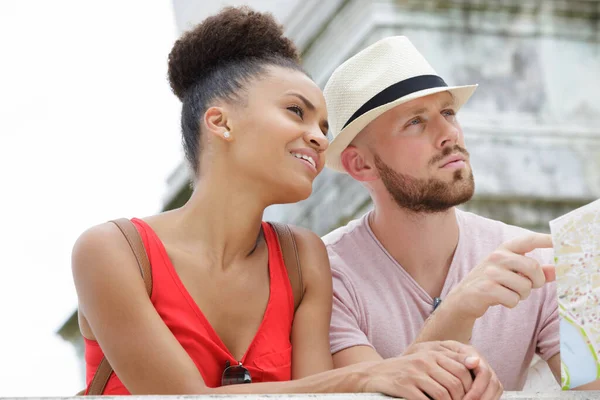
x=428, y=195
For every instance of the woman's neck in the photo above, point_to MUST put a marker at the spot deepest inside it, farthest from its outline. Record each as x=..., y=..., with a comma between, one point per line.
x=224, y=216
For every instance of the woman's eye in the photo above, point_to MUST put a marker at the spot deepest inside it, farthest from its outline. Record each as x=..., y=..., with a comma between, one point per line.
x=297, y=110
x=448, y=113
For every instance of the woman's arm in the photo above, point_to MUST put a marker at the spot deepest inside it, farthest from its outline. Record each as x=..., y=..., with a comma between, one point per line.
x=310, y=332
x=113, y=300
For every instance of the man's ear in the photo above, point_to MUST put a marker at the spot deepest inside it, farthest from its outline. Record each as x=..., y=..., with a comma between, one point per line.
x=358, y=163
x=217, y=124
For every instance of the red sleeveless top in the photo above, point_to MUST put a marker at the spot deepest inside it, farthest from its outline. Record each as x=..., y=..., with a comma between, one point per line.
x=269, y=356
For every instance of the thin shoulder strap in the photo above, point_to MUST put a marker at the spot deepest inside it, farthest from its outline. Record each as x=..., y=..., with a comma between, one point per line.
x=137, y=246
x=132, y=235
x=291, y=259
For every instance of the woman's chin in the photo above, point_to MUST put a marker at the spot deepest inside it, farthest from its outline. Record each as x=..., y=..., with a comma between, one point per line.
x=295, y=193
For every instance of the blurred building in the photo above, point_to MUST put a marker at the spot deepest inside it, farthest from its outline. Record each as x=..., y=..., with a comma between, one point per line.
x=532, y=127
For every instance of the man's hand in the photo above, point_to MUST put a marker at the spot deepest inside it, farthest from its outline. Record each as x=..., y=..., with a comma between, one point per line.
x=485, y=385
x=505, y=277
x=438, y=370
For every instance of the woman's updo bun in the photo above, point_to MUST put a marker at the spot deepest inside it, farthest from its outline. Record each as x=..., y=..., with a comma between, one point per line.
x=235, y=34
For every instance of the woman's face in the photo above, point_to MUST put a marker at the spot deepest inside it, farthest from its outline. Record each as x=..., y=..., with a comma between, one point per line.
x=279, y=134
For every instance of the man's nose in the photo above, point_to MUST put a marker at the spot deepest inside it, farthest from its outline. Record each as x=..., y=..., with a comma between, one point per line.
x=449, y=133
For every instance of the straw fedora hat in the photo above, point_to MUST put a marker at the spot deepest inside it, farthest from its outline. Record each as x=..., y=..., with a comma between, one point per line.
x=384, y=75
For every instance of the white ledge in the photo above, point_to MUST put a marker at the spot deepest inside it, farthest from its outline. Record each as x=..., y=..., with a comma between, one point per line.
x=568, y=395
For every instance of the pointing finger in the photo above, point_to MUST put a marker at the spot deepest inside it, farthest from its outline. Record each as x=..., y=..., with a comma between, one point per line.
x=527, y=243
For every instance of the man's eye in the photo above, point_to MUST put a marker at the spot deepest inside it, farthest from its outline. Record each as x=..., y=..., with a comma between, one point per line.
x=415, y=121
x=297, y=110
x=448, y=113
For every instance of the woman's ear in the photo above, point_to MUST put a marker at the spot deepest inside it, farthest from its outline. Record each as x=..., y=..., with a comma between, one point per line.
x=215, y=120
x=358, y=164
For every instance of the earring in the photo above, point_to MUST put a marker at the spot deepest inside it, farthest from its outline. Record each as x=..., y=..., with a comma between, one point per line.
x=226, y=134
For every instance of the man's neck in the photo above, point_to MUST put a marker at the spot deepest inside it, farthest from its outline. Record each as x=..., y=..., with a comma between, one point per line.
x=422, y=243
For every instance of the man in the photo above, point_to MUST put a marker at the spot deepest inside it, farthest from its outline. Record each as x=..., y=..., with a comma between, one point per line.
x=395, y=130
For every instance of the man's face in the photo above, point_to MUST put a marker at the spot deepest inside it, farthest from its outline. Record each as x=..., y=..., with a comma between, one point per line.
x=419, y=154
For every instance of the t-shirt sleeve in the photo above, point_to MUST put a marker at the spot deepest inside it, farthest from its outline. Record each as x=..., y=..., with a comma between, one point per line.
x=548, y=343
x=346, y=318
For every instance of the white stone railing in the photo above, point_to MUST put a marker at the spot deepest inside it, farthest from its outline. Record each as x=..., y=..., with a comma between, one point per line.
x=566, y=395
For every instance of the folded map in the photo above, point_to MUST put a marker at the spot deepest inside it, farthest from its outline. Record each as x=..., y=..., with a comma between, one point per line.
x=576, y=239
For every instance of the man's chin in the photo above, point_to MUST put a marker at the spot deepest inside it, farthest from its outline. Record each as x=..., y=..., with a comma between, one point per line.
x=451, y=197
x=436, y=207
x=433, y=195
x=466, y=190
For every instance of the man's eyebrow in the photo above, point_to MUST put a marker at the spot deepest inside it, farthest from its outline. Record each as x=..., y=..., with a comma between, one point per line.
x=418, y=111
x=449, y=103
x=423, y=110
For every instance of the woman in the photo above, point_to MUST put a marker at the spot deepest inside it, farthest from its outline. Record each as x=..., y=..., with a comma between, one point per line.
x=254, y=127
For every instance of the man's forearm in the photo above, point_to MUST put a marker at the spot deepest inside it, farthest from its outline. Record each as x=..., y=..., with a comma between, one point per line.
x=446, y=324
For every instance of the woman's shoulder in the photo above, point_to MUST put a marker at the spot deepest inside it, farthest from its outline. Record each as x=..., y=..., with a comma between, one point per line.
x=96, y=240
x=101, y=261
x=99, y=241
x=312, y=253
x=102, y=255
x=308, y=241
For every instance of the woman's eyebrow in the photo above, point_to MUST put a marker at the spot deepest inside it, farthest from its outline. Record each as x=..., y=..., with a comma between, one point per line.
x=306, y=102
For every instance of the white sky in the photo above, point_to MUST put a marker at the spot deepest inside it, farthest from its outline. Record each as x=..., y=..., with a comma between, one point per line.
x=89, y=131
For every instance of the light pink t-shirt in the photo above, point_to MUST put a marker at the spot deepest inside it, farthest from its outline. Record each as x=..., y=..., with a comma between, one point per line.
x=377, y=303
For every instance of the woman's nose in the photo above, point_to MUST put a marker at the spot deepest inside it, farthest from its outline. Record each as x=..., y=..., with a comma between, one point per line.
x=317, y=140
